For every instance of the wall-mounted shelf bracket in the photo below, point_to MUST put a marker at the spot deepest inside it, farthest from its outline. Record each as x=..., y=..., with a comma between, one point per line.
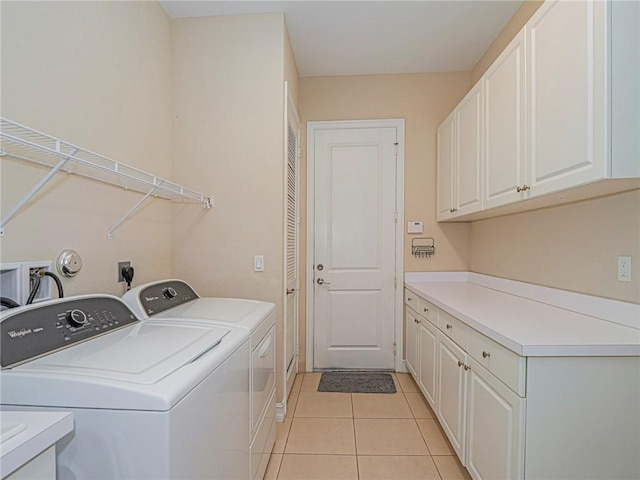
x=37, y=187
x=129, y=213
x=24, y=143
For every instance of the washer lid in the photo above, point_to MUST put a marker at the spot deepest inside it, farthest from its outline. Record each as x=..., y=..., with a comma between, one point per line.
x=233, y=310
x=142, y=354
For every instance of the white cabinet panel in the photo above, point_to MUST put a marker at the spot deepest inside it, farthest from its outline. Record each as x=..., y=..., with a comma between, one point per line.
x=428, y=372
x=566, y=67
x=467, y=174
x=446, y=160
x=504, y=118
x=451, y=403
x=495, y=433
x=411, y=341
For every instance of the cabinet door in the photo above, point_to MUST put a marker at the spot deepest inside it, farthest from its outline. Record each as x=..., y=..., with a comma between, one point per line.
x=495, y=428
x=467, y=174
x=504, y=118
x=428, y=361
x=446, y=156
x=566, y=101
x=451, y=405
x=411, y=341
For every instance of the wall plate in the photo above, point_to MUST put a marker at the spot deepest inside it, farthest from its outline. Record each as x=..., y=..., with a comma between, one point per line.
x=69, y=263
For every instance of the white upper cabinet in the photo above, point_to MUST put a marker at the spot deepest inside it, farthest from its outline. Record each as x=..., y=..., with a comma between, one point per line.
x=504, y=118
x=459, y=158
x=566, y=95
x=468, y=154
x=446, y=157
x=559, y=115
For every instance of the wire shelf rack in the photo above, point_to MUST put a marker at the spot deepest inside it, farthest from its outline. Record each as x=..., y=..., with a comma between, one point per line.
x=24, y=143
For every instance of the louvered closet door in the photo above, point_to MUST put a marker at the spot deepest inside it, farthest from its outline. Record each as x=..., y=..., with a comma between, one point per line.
x=291, y=321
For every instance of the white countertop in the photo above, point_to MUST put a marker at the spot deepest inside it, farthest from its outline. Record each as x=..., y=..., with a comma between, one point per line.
x=29, y=434
x=528, y=327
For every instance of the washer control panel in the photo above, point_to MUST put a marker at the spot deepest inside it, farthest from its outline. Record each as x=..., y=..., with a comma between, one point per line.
x=165, y=295
x=29, y=333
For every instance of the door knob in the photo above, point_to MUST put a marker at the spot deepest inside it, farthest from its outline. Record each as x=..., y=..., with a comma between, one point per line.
x=321, y=281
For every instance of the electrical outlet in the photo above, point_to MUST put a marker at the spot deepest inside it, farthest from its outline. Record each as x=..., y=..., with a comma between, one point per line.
x=46, y=283
x=624, y=268
x=121, y=265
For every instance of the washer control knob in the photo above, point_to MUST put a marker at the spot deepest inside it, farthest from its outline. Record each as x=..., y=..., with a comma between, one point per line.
x=77, y=318
x=169, y=292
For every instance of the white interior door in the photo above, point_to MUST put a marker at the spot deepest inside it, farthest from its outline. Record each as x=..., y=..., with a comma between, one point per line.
x=354, y=263
x=292, y=221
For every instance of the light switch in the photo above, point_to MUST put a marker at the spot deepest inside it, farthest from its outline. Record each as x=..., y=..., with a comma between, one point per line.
x=258, y=263
x=414, y=227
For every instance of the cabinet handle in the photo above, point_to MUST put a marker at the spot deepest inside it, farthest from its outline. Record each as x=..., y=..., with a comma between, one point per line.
x=486, y=354
x=409, y=299
x=425, y=309
x=454, y=210
x=460, y=363
x=467, y=367
x=524, y=188
x=449, y=326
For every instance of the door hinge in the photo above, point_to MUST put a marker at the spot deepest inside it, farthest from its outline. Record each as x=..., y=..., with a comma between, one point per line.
x=395, y=282
x=397, y=145
x=395, y=347
x=395, y=216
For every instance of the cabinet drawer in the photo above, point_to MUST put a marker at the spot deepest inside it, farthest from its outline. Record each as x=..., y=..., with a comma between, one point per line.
x=411, y=299
x=453, y=328
x=428, y=310
x=509, y=367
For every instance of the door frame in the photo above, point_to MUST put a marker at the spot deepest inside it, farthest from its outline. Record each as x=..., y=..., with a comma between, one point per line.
x=312, y=128
x=290, y=116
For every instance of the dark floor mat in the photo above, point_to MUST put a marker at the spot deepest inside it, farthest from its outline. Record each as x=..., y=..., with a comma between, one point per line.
x=352, y=382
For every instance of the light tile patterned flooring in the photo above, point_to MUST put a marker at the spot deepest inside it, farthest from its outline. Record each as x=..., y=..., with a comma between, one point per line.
x=335, y=436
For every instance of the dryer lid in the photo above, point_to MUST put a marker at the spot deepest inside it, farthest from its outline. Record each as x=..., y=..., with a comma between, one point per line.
x=141, y=354
x=234, y=310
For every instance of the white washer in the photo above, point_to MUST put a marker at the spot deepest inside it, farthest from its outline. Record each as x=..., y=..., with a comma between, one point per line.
x=151, y=400
x=175, y=299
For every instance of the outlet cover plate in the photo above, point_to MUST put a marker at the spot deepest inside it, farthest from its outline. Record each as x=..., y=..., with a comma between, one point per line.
x=624, y=268
x=121, y=265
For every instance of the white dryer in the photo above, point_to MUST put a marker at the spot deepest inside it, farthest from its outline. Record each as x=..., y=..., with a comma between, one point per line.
x=151, y=400
x=175, y=299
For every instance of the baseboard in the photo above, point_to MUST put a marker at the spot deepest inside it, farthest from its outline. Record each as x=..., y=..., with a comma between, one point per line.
x=281, y=411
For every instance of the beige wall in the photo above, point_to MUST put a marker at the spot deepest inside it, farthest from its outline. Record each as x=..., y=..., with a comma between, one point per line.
x=423, y=100
x=228, y=99
x=522, y=15
x=571, y=247
x=96, y=74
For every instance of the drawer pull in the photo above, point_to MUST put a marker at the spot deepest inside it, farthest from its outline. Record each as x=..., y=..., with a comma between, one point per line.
x=409, y=299
x=449, y=326
x=265, y=348
x=486, y=354
x=425, y=309
x=467, y=367
x=460, y=363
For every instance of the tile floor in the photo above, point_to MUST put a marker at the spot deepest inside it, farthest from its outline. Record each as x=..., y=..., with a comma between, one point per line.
x=335, y=436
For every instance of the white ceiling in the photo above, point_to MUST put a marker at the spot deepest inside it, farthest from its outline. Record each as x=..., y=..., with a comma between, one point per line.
x=373, y=37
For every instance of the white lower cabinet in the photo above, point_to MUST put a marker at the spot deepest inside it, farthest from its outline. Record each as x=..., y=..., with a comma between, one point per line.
x=452, y=389
x=510, y=417
x=411, y=341
x=494, y=446
x=428, y=372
